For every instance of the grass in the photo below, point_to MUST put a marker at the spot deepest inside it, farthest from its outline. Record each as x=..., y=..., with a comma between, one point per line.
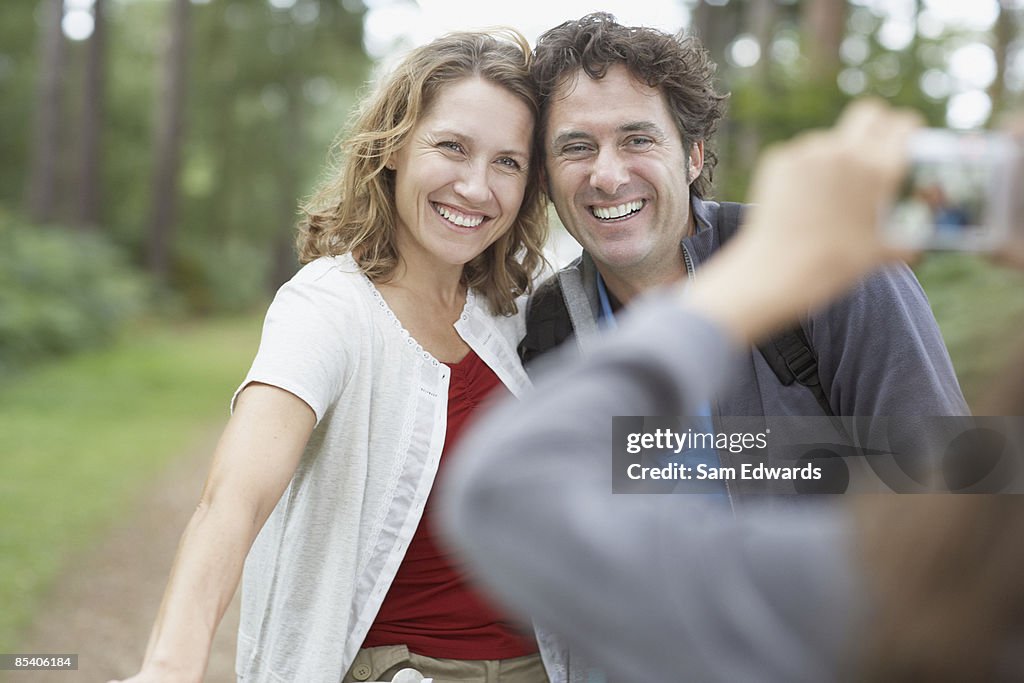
x=78, y=436
x=980, y=309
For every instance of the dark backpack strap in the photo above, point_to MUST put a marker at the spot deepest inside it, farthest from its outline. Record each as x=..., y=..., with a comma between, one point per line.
x=792, y=360
x=547, y=322
x=789, y=354
x=729, y=216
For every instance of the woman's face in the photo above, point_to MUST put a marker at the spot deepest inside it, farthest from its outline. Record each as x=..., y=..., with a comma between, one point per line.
x=460, y=177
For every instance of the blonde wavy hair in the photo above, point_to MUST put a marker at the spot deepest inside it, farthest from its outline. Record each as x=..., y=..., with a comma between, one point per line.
x=354, y=210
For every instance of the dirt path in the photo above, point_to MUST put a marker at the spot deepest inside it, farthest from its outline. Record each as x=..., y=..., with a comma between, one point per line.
x=103, y=604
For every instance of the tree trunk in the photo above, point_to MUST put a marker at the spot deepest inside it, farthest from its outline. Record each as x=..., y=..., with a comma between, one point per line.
x=42, y=185
x=823, y=26
x=700, y=20
x=285, y=264
x=760, y=17
x=1003, y=35
x=716, y=26
x=89, y=180
x=168, y=141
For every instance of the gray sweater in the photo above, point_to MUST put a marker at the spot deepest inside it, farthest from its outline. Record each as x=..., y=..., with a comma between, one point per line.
x=653, y=588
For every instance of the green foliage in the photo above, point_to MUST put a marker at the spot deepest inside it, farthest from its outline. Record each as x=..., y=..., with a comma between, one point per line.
x=17, y=76
x=267, y=90
x=229, y=278
x=777, y=113
x=782, y=97
x=60, y=291
x=802, y=105
x=980, y=309
x=80, y=437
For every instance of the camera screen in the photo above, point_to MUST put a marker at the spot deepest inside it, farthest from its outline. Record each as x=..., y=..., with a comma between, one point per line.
x=953, y=187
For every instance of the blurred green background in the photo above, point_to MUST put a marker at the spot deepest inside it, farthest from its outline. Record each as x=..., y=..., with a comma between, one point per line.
x=153, y=154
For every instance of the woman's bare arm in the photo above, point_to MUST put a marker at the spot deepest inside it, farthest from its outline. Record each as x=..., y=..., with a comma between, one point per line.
x=253, y=463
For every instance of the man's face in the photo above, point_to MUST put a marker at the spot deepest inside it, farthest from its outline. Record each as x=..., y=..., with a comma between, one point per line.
x=619, y=176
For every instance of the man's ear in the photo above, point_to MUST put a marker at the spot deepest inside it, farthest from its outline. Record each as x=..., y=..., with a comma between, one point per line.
x=695, y=161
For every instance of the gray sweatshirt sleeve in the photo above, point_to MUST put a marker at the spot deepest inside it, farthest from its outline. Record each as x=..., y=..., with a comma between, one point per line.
x=652, y=587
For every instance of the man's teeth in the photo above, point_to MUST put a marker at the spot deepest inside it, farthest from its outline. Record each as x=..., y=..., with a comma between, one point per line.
x=617, y=211
x=458, y=218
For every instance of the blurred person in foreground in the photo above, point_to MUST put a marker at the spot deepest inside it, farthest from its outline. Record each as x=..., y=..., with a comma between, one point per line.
x=666, y=588
x=372, y=359
x=627, y=120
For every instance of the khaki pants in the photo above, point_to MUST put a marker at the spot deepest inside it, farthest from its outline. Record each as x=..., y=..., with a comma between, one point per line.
x=381, y=663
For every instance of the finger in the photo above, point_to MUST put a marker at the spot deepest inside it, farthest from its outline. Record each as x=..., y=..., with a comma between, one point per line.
x=873, y=127
x=1014, y=126
x=894, y=130
x=893, y=146
x=1011, y=255
x=862, y=119
x=909, y=256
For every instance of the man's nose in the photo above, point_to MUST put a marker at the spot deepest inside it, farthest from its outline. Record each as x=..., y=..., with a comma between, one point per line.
x=472, y=184
x=609, y=172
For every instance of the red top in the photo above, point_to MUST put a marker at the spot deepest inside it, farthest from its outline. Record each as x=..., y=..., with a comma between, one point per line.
x=429, y=607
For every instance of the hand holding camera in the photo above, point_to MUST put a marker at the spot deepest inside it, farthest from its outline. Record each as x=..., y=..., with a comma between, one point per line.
x=959, y=193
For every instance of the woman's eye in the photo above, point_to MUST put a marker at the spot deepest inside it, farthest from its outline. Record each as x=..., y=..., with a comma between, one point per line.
x=452, y=145
x=509, y=162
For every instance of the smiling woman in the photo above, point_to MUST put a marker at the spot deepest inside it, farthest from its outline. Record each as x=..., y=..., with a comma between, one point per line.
x=372, y=359
x=357, y=210
x=460, y=179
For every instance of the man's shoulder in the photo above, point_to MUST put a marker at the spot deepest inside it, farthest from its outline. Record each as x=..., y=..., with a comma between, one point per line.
x=551, y=286
x=575, y=265
x=892, y=292
x=886, y=316
x=546, y=296
x=548, y=322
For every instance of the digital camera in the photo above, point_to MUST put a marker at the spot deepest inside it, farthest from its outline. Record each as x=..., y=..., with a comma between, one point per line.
x=958, y=193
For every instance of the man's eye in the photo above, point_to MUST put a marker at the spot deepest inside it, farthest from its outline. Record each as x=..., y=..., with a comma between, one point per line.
x=576, y=150
x=640, y=142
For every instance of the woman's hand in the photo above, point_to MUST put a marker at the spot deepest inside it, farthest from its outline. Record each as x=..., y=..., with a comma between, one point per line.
x=253, y=463
x=166, y=677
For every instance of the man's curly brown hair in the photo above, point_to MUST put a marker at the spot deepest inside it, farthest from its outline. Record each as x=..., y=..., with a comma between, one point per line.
x=677, y=66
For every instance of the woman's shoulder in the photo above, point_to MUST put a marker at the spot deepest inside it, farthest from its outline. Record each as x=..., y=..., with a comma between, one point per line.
x=329, y=276
x=339, y=270
x=330, y=285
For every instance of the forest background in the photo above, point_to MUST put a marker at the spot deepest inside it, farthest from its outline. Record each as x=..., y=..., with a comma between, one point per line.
x=153, y=154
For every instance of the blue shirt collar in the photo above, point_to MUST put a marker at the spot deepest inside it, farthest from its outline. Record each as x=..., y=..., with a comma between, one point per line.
x=701, y=214
x=606, y=314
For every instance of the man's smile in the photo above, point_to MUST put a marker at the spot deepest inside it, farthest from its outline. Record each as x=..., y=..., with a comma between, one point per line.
x=619, y=211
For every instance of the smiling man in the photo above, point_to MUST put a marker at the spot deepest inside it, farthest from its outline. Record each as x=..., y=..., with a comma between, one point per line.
x=627, y=114
x=620, y=172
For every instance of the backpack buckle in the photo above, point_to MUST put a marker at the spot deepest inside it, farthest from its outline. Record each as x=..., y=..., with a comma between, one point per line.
x=804, y=367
